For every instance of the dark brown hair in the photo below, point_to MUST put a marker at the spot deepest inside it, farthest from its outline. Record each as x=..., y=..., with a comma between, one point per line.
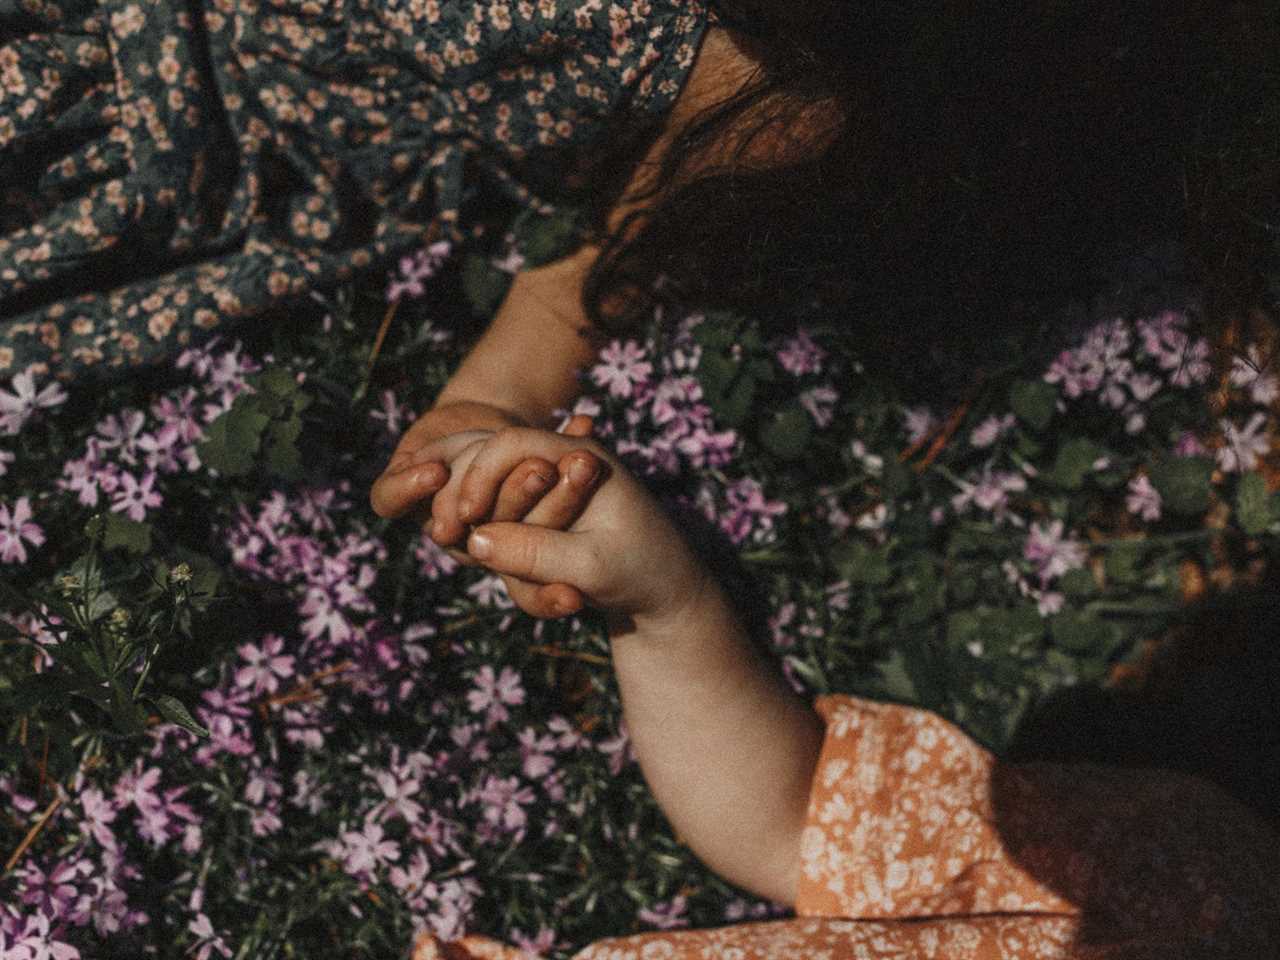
x=988, y=154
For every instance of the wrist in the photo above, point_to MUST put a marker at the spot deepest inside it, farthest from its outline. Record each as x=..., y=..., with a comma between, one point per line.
x=449, y=416
x=698, y=608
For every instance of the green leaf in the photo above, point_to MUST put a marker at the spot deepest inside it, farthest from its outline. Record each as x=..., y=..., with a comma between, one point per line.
x=858, y=562
x=231, y=442
x=483, y=285
x=1078, y=583
x=49, y=690
x=1034, y=402
x=282, y=455
x=547, y=238
x=998, y=629
x=1183, y=483
x=895, y=679
x=1253, y=507
x=1075, y=461
x=121, y=533
x=126, y=715
x=897, y=478
x=1084, y=633
x=728, y=387
x=279, y=382
x=1123, y=561
x=786, y=434
x=171, y=709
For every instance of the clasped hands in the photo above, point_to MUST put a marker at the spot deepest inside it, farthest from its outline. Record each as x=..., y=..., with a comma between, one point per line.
x=427, y=478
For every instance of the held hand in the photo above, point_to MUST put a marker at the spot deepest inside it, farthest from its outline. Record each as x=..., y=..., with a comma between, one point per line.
x=417, y=479
x=623, y=553
x=418, y=468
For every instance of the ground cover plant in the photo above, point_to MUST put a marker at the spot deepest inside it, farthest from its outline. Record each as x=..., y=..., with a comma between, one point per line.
x=244, y=717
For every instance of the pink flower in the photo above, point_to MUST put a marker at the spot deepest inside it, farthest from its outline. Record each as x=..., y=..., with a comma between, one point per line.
x=1052, y=553
x=266, y=665
x=504, y=801
x=1242, y=446
x=17, y=407
x=820, y=402
x=665, y=916
x=134, y=497
x=493, y=691
x=991, y=429
x=16, y=526
x=919, y=422
x=363, y=851
x=800, y=355
x=1144, y=499
x=1251, y=372
x=621, y=368
x=398, y=797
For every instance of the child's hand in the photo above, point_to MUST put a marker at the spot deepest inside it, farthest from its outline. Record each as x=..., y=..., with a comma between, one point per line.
x=533, y=481
x=623, y=553
x=420, y=466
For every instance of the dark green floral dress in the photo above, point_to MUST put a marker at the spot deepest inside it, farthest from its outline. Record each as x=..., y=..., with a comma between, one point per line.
x=168, y=166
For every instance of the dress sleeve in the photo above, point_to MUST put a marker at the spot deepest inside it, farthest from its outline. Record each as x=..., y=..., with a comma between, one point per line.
x=910, y=818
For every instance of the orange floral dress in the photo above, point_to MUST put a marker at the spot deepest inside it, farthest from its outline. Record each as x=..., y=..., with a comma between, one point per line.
x=920, y=844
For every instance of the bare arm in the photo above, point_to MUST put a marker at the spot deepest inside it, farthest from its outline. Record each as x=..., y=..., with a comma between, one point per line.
x=727, y=748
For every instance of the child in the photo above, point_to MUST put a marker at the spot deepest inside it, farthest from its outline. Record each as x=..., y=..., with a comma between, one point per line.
x=896, y=820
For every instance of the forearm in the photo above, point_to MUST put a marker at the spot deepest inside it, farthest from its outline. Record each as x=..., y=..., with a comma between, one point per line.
x=527, y=363
x=727, y=748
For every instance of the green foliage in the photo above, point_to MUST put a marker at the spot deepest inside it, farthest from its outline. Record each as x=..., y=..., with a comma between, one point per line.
x=786, y=432
x=262, y=429
x=1034, y=402
x=1253, y=506
x=1076, y=460
x=545, y=238
x=1183, y=483
x=483, y=284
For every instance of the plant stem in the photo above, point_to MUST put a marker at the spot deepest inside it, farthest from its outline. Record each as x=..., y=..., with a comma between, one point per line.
x=34, y=832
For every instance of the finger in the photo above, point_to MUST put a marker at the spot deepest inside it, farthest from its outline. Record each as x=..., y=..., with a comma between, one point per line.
x=499, y=456
x=445, y=527
x=546, y=601
x=395, y=493
x=523, y=488
x=579, y=425
x=412, y=473
x=581, y=473
x=536, y=553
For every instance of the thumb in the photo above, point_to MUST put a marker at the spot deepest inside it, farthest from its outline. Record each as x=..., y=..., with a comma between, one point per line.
x=536, y=553
x=579, y=425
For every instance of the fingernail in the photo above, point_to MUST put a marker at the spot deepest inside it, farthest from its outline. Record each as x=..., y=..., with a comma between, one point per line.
x=429, y=475
x=479, y=545
x=437, y=529
x=464, y=510
x=583, y=472
x=536, y=483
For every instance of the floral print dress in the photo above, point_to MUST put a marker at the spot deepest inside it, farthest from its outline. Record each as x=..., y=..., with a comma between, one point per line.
x=920, y=845
x=166, y=166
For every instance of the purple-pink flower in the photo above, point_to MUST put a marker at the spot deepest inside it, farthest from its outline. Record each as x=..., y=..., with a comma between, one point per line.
x=265, y=666
x=16, y=525
x=1143, y=499
x=134, y=497
x=1243, y=446
x=1051, y=552
x=799, y=355
x=622, y=368
x=17, y=407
